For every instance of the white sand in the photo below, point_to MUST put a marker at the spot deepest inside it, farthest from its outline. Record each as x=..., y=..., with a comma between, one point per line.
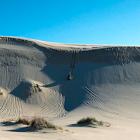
x=104, y=83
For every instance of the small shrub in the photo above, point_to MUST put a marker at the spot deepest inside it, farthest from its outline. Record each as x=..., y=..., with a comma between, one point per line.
x=89, y=121
x=23, y=121
x=40, y=123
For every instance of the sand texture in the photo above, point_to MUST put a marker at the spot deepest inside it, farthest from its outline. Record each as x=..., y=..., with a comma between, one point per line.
x=66, y=82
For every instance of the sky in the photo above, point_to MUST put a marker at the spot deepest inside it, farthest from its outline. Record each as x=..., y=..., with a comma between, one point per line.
x=115, y=22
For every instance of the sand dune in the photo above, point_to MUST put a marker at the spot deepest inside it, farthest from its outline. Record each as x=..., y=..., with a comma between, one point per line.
x=63, y=83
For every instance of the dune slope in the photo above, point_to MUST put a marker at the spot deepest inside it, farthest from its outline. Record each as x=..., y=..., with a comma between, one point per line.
x=56, y=80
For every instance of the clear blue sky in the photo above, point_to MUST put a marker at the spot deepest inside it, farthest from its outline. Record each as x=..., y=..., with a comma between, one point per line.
x=72, y=21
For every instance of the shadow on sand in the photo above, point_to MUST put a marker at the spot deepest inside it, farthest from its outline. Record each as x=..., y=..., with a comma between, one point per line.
x=21, y=129
x=78, y=125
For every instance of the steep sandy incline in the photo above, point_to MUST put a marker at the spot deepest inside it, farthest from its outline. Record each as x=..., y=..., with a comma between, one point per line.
x=53, y=80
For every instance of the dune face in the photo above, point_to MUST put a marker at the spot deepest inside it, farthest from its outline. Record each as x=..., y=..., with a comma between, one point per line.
x=54, y=79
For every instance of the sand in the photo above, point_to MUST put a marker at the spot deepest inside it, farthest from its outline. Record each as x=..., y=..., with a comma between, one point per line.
x=66, y=82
